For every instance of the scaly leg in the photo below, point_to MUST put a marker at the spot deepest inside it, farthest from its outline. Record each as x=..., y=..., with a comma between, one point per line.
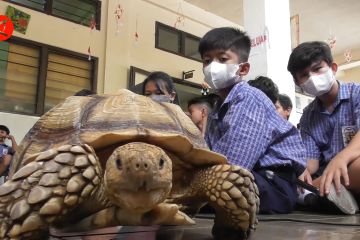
x=46, y=189
x=234, y=195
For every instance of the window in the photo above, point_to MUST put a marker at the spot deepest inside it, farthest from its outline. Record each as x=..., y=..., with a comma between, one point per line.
x=36, y=77
x=178, y=42
x=65, y=76
x=78, y=11
x=34, y=4
x=19, y=67
x=185, y=90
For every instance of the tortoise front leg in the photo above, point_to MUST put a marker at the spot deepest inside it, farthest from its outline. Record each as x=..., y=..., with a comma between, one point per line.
x=46, y=189
x=161, y=214
x=234, y=195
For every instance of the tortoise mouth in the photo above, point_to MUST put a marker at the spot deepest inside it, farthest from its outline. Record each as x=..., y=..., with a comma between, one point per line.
x=144, y=186
x=139, y=200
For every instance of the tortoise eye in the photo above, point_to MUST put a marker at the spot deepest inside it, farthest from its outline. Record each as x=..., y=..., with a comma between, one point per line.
x=161, y=163
x=118, y=164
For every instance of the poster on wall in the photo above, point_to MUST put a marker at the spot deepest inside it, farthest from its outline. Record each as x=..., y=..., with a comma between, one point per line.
x=19, y=18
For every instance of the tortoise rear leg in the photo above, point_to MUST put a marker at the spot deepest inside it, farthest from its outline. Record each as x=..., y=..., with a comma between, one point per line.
x=45, y=190
x=232, y=192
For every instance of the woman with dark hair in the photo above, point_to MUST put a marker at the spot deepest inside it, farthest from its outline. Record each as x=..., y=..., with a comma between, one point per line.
x=160, y=87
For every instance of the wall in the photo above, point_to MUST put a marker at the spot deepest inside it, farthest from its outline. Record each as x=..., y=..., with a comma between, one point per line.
x=65, y=34
x=122, y=51
x=59, y=33
x=117, y=52
x=270, y=57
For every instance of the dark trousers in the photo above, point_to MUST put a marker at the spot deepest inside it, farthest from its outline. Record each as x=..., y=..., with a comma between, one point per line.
x=277, y=191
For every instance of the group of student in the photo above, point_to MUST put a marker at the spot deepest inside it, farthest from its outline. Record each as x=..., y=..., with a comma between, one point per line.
x=247, y=122
x=248, y=125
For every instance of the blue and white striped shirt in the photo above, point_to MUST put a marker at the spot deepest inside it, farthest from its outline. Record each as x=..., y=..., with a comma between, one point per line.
x=248, y=131
x=321, y=131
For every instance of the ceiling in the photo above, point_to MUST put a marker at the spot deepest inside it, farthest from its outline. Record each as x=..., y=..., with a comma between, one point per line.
x=229, y=9
x=318, y=19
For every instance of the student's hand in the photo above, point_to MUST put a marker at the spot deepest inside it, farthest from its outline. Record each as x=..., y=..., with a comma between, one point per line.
x=10, y=137
x=305, y=177
x=334, y=171
x=204, y=85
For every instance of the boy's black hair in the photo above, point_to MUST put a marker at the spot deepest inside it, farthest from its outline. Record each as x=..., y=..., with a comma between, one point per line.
x=307, y=53
x=209, y=101
x=226, y=38
x=285, y=101
x=163, y=81
x=5, y=128
x=84, y=92
x=267, y=86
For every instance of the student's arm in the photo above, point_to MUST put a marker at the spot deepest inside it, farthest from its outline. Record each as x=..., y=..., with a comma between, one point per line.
x=306, y=176
x=312, y=165
x=312, y=153
x=6, y=159
x=13, y=142
x=245, y=137
x=338, y=166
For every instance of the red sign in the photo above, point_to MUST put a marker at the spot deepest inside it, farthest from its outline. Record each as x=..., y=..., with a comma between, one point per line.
x=6, y=27
x=258, y=40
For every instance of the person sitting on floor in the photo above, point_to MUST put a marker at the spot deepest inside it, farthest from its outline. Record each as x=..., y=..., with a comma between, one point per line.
x=6, y=152
x=329, y=125
x=245, y=127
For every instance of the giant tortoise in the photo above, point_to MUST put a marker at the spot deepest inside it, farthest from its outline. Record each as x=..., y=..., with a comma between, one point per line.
x=120, y=159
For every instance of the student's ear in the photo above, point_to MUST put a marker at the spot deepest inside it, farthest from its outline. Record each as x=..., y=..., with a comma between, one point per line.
x=203, y=112
x=172, y=96
x=334, y=67
x=288, y=111
x=243, y=69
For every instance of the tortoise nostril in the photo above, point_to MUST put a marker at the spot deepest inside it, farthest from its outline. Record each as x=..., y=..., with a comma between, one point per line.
x=145, y=165
x=118, y=164
x=137, y=165
x=161, y=163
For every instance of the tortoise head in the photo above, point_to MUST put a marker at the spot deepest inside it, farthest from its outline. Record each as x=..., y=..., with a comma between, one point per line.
x=138, y=176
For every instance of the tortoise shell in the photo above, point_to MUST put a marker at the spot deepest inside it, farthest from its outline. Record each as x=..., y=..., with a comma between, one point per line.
x=108, y=121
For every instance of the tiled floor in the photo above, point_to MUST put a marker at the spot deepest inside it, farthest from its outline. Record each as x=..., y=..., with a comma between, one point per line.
x=271, y=227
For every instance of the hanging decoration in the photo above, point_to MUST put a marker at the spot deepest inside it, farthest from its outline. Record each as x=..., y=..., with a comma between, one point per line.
x=136, y=34
x=92, y=26
x=331, y=41
x=204, y=91
x=89, y=53
x=118, y=18
x=180, y=19
x=348, y=55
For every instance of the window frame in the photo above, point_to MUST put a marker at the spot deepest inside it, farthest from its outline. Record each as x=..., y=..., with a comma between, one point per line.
x=48, y=10
x=133, y=70
x=182, y=34
x=44, y=51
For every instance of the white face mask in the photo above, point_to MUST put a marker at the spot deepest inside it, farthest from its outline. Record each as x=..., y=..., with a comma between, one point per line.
x=221, y=75
x=319, y=84
x=160, y=98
